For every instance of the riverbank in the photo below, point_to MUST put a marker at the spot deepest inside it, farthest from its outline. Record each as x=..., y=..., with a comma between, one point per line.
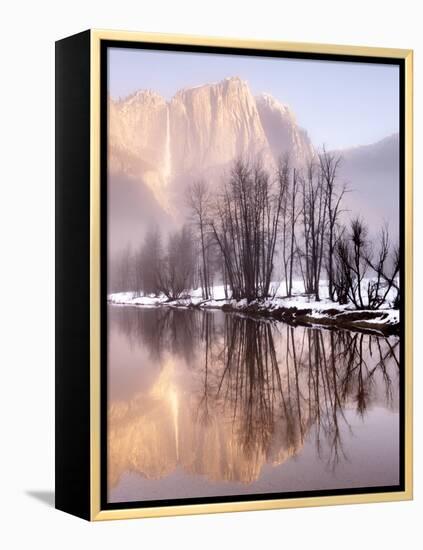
x=298, y=310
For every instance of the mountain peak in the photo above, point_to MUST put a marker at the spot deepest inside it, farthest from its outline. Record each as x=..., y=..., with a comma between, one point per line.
x=269, y=101
x=143, y=96
x=230, y=82
x=234, y=80
x=282, y=130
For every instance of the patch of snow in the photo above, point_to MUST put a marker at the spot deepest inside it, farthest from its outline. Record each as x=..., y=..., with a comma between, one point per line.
x=131, y=298
x=300, y=301
x=387, y=317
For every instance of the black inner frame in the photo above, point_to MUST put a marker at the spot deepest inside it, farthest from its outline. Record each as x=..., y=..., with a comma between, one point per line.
x=104, y=45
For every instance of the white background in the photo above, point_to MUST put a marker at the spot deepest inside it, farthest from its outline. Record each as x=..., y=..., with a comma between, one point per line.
x=28, y=32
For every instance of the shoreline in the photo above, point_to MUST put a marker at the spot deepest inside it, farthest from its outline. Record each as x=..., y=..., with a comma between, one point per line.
x=296, y=311
x=367, y=321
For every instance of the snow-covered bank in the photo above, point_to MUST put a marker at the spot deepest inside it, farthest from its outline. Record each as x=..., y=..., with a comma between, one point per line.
x=299, y=309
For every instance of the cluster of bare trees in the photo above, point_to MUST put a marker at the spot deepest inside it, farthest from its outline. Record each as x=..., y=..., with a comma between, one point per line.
x=355, y=260
x=297, y=215
x=259, y=225
x=158, y=269
x=257, y=214
x=320, y=218
x=244, y=222
x=238, y=228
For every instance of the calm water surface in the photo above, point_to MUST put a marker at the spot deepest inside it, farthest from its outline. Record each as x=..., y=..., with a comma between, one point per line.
x=209, y=404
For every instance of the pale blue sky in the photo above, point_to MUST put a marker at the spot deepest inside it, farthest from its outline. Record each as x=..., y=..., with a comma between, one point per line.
x=339, y=104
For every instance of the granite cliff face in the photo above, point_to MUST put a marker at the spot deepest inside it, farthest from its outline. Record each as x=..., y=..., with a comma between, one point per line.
x=158, y=147
x=282, y=131
x=157, y=432
x=198, y=133
x=212, y=124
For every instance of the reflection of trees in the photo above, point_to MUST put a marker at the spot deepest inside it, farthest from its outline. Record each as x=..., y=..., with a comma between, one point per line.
x=277, y=383
x=265, y=385
x=207, y=332
x=161, y=329
x=362, y=357
x=248, y=381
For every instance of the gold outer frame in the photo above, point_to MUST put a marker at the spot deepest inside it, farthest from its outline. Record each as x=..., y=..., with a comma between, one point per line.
x=126, y=513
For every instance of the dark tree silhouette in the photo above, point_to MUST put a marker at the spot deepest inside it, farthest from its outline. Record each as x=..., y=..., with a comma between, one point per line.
x=199, y=202
x=245, y=222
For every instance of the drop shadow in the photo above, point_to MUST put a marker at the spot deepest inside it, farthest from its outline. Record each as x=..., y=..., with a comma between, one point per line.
x=46, y=497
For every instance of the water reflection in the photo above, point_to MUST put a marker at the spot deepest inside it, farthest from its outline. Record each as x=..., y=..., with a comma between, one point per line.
x=221, y=397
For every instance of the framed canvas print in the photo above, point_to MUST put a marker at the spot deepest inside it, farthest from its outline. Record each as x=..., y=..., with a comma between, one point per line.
x=233, y=275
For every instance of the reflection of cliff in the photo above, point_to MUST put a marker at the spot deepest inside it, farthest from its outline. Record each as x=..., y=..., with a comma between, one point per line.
x=234, y=394
x=158, y=431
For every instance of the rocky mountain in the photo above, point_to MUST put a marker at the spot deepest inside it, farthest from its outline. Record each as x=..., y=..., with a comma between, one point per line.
x=164, y=145
x=282, y=131
x=158, y=147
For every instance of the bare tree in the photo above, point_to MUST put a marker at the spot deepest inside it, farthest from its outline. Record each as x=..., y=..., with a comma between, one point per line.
x=354, y=258
x=289, y=214
x=137, y=267
x=245, y=223
x=386, y=266
x=329, y=165
x=177, y=267
x=294, y=215
x=198, y=199
x=352, y=251
x=340, y=273
x=150, y=259
x=126, y=277
x=314, y=211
